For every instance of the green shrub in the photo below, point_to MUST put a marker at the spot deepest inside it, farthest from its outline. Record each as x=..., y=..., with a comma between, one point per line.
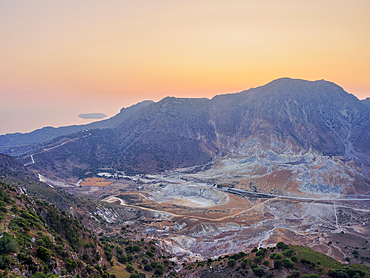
x=304, y=261
x=98, y=268
x=119, y=251
x=148, y=267
x=4, y=261
x=59, y=249
x=136, y=248
x=278, y=264
x=231, y=263
x=149, y=253
x=122, y=259
x=258, y=271
x=235, y=256
x=294, y=258
x=21, y=222
x=40, y=242
x=109, y=255
x=8, y=244
x=260, y=253
x=71, y=265
x=158, y=272
x=130, y=268
x=153, y=264
x=288, y=252
x=3, y=209
x=14, y=209
x=244, y=262
x=281, y=245
x=47, y=241
x=288, y=263
x=258, y=259
x=43, y=253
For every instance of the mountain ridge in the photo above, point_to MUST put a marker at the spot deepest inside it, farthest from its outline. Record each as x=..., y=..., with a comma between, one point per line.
x=283, y=119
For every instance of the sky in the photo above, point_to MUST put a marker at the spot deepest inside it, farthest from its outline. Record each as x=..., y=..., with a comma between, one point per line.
x=59, y=59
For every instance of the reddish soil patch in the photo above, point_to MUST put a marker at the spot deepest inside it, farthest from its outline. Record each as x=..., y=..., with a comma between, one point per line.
x=95, y=181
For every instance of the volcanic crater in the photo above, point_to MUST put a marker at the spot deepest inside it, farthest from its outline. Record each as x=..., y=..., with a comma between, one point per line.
x=189, y=196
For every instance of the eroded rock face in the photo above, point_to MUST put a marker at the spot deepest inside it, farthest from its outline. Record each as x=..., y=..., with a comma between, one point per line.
x=256, y=168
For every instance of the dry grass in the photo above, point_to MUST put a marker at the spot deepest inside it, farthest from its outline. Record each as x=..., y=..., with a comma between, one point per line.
x=119, y=269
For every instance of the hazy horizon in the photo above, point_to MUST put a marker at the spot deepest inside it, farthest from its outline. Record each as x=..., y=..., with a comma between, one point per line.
x=68, y=120
x=61, y=59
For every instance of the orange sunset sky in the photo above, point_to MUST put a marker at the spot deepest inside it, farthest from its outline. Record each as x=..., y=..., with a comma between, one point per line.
x=62, y=58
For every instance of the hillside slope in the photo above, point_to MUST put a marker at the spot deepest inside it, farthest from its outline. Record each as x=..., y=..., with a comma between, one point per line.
x=38, y=237
x=19, y=143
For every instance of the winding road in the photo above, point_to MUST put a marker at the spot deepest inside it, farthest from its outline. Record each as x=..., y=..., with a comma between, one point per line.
x=48, y=149
x=114, y=198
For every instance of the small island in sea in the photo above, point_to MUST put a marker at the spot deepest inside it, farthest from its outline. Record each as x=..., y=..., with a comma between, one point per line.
x=92, y=116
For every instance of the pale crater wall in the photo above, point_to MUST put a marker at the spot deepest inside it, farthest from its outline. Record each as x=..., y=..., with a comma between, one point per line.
x=192, y=196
